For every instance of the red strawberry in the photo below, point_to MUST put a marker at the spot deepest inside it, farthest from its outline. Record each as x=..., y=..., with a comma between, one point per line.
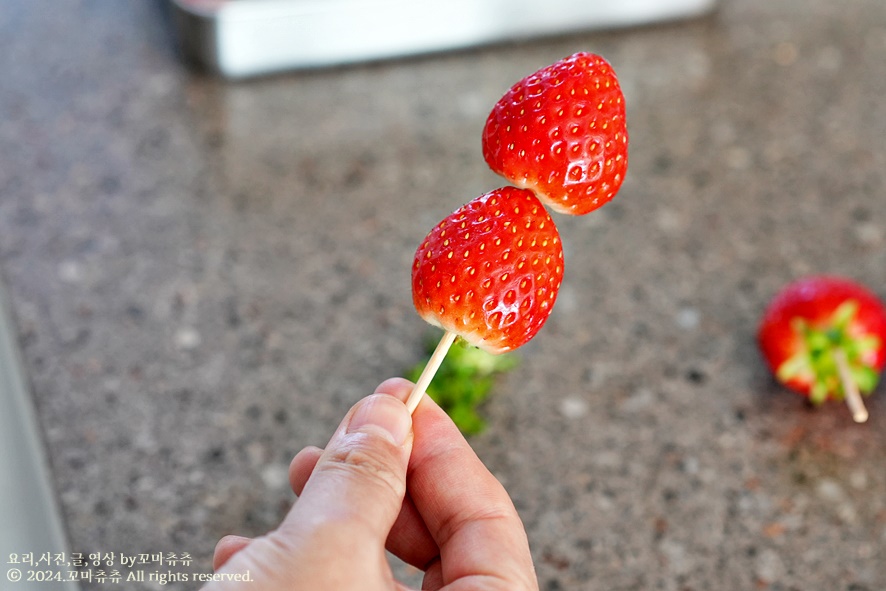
x=562, y=133
x=824, y=337
x=491, y=270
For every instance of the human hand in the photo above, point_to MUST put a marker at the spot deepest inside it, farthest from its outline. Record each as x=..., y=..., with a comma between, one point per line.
x=423, y=494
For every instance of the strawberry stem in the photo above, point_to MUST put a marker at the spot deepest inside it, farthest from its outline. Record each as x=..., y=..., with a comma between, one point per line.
x=850, y=388
x=424, y=380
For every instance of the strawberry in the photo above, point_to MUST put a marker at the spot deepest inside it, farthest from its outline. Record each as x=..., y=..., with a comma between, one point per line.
x=561, y=132
x=824, y=337
x=491, y=270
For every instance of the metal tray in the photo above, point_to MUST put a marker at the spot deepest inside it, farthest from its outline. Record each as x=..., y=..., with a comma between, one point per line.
x=239, y=38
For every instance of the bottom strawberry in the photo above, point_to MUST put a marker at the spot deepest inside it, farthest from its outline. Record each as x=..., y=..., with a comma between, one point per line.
x=491, y=270
x=824, y=337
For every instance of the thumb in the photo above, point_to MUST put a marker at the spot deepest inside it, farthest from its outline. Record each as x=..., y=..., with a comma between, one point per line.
x=360, y=479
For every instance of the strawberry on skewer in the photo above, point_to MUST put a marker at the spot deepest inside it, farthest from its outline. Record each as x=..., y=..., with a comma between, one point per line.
x=562, y=133
x=825, y=337
x=490, y=273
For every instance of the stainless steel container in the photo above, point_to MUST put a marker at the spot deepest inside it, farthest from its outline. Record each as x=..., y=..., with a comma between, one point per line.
x=238, y=38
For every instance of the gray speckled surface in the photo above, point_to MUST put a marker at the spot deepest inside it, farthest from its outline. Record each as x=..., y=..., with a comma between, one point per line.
x=205, y=276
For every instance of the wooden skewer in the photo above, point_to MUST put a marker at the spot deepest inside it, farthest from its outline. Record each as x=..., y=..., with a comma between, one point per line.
x=424, y=380
x=850, y=389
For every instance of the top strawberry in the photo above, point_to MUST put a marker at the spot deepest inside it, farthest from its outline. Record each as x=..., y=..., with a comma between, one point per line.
x=561, y=132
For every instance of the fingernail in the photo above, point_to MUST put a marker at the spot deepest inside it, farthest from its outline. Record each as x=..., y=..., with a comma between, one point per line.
x=385, y=413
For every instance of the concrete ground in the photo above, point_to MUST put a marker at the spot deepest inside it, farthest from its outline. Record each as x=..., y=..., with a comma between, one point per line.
x=205, y=275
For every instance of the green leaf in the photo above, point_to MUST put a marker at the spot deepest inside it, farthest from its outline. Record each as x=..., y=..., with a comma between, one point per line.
x=819, y=393
x=464, y=381
x=866, y=378
x=860, y=346
x=794, y=367
x=844, y=314
x=468, y=420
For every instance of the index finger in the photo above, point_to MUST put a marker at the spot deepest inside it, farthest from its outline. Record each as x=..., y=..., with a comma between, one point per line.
x=466, y=509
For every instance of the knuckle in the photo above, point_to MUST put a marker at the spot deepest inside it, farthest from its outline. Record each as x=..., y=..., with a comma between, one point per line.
x=375, y=466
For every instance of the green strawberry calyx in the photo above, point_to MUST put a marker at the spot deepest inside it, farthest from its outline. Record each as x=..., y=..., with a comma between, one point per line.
x=830, y=355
